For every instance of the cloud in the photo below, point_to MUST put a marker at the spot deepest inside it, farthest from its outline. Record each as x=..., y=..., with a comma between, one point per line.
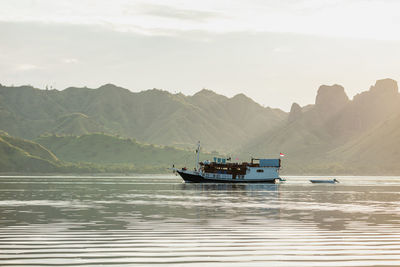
x=70, y=60
x=26, y=67
x=178, y=13
x=370, y=19
x=282, y=49
x=258, y=65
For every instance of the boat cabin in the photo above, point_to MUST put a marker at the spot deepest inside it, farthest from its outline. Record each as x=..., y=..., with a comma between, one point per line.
x=257, y=167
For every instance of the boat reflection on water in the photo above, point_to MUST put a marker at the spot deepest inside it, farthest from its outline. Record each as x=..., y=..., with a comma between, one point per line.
x=266, y=188
x=233, y=201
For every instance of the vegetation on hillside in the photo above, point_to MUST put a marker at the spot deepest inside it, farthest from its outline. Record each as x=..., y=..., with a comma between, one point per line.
x=336, y=135
x=106, y=149
x=17, y=155
x=152, y=116
x=92, y=153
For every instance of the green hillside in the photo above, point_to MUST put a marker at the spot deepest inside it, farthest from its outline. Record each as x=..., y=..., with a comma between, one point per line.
x=77, y=124
x=152, y=116
x=92, y=153
x=32, y=148
x=18, y=155
x=105, y=149
x=336, y=135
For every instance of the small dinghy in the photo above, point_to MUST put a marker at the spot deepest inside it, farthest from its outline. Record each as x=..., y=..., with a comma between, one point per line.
x=333, y=181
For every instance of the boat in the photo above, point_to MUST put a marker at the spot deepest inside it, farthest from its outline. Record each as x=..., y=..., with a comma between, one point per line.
x=332, y=181
x=220, y=170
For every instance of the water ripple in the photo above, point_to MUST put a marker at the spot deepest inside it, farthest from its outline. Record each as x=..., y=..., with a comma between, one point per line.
x=158, y=221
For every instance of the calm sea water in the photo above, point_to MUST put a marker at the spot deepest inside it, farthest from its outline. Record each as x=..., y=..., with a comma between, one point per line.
x=158, y=220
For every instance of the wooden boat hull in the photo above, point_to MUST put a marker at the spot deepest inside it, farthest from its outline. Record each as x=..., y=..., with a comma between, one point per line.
x=195, y=178
x=323, y=181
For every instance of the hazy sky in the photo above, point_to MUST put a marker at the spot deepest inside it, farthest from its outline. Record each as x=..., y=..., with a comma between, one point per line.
x=276, y=52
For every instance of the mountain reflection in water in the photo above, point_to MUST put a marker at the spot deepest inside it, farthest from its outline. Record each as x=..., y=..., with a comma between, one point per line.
x=158, y=220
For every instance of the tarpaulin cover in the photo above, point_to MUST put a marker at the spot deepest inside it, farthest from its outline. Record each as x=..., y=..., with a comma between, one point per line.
x=270, y=162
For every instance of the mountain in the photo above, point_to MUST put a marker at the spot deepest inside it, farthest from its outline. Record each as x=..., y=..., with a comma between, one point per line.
x=338, y=135
x=77, y=124
x=18, y=155
x=93, y=129
x=89, y=153
x=367, y=110
x=152, y=116
x=304, y=134
x=377, y=151
x=106, y=149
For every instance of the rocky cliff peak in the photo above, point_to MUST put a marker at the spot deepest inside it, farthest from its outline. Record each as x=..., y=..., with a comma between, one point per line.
x=295, y=112
x=385, y=86
x=331, y=99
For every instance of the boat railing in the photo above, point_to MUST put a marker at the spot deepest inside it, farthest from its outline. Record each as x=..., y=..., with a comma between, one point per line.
x=218, y=175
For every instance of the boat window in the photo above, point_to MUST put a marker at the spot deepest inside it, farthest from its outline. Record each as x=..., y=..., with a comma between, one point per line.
x=260, y=170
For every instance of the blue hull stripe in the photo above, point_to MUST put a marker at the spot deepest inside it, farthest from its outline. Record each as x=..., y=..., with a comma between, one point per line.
x=199, y=179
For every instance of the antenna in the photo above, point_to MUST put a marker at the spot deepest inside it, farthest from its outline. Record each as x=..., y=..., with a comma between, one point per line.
x=198, y=156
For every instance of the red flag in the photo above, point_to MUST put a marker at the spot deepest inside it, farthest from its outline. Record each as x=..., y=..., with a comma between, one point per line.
x=281, y=154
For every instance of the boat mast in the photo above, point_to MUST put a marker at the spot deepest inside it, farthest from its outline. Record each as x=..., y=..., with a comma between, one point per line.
x=198, y=156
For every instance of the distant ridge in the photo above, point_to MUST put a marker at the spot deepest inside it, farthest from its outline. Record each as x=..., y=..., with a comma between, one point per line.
x=337, y=135
x=152, y=116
